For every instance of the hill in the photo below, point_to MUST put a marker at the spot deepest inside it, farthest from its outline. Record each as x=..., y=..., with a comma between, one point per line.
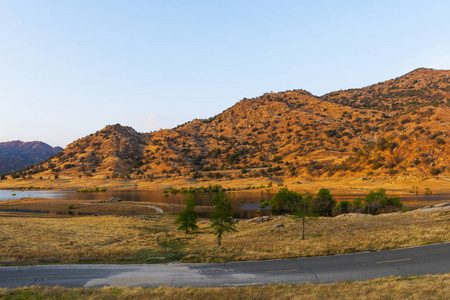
x=419, y=88
x=16, y=155
x=397, y=128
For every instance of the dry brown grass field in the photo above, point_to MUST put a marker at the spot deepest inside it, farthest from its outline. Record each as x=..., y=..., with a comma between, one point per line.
x=28, y=238
x=417, y=287
x=128, y=232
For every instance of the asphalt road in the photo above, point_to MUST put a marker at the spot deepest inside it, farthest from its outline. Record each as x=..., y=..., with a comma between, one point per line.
x=431, y=259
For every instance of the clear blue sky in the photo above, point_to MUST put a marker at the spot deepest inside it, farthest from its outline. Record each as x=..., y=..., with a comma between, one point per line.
x=68, y=68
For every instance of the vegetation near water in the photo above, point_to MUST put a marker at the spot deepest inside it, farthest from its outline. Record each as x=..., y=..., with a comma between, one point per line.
x=286, y=201
x=139, y=239
x=92, y=190
x=202, y=189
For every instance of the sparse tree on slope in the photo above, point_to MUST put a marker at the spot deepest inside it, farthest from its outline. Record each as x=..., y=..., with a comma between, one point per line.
x=286, y=201
x=303, y=210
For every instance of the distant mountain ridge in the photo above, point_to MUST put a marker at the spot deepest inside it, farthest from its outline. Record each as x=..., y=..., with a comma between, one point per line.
x=396, y=128
x=16, y=155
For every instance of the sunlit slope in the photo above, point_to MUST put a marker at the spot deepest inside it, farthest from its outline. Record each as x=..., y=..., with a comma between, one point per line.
x=397, y=128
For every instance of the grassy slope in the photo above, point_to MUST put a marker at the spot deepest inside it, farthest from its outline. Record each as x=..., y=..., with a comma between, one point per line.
x=27, y=238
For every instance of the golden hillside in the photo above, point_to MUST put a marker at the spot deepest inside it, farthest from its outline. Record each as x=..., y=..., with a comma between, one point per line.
x=397, y=128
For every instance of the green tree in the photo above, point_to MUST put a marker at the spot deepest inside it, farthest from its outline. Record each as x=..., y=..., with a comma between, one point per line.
x=284, y=201
x=324, y=203
x=357, y=204
x=188, y=217
x=222, y=216
x=343, y=207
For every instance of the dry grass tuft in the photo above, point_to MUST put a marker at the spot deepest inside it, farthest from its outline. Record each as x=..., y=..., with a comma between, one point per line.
x=416, y=287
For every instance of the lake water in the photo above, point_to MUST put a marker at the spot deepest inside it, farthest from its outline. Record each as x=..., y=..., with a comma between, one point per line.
x=246, y=203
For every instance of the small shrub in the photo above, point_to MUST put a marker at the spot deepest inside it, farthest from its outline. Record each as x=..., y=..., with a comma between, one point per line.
x=376, y=165
x=440, y=141
x=435, y=171
x=393, y=172
x=263, y=203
